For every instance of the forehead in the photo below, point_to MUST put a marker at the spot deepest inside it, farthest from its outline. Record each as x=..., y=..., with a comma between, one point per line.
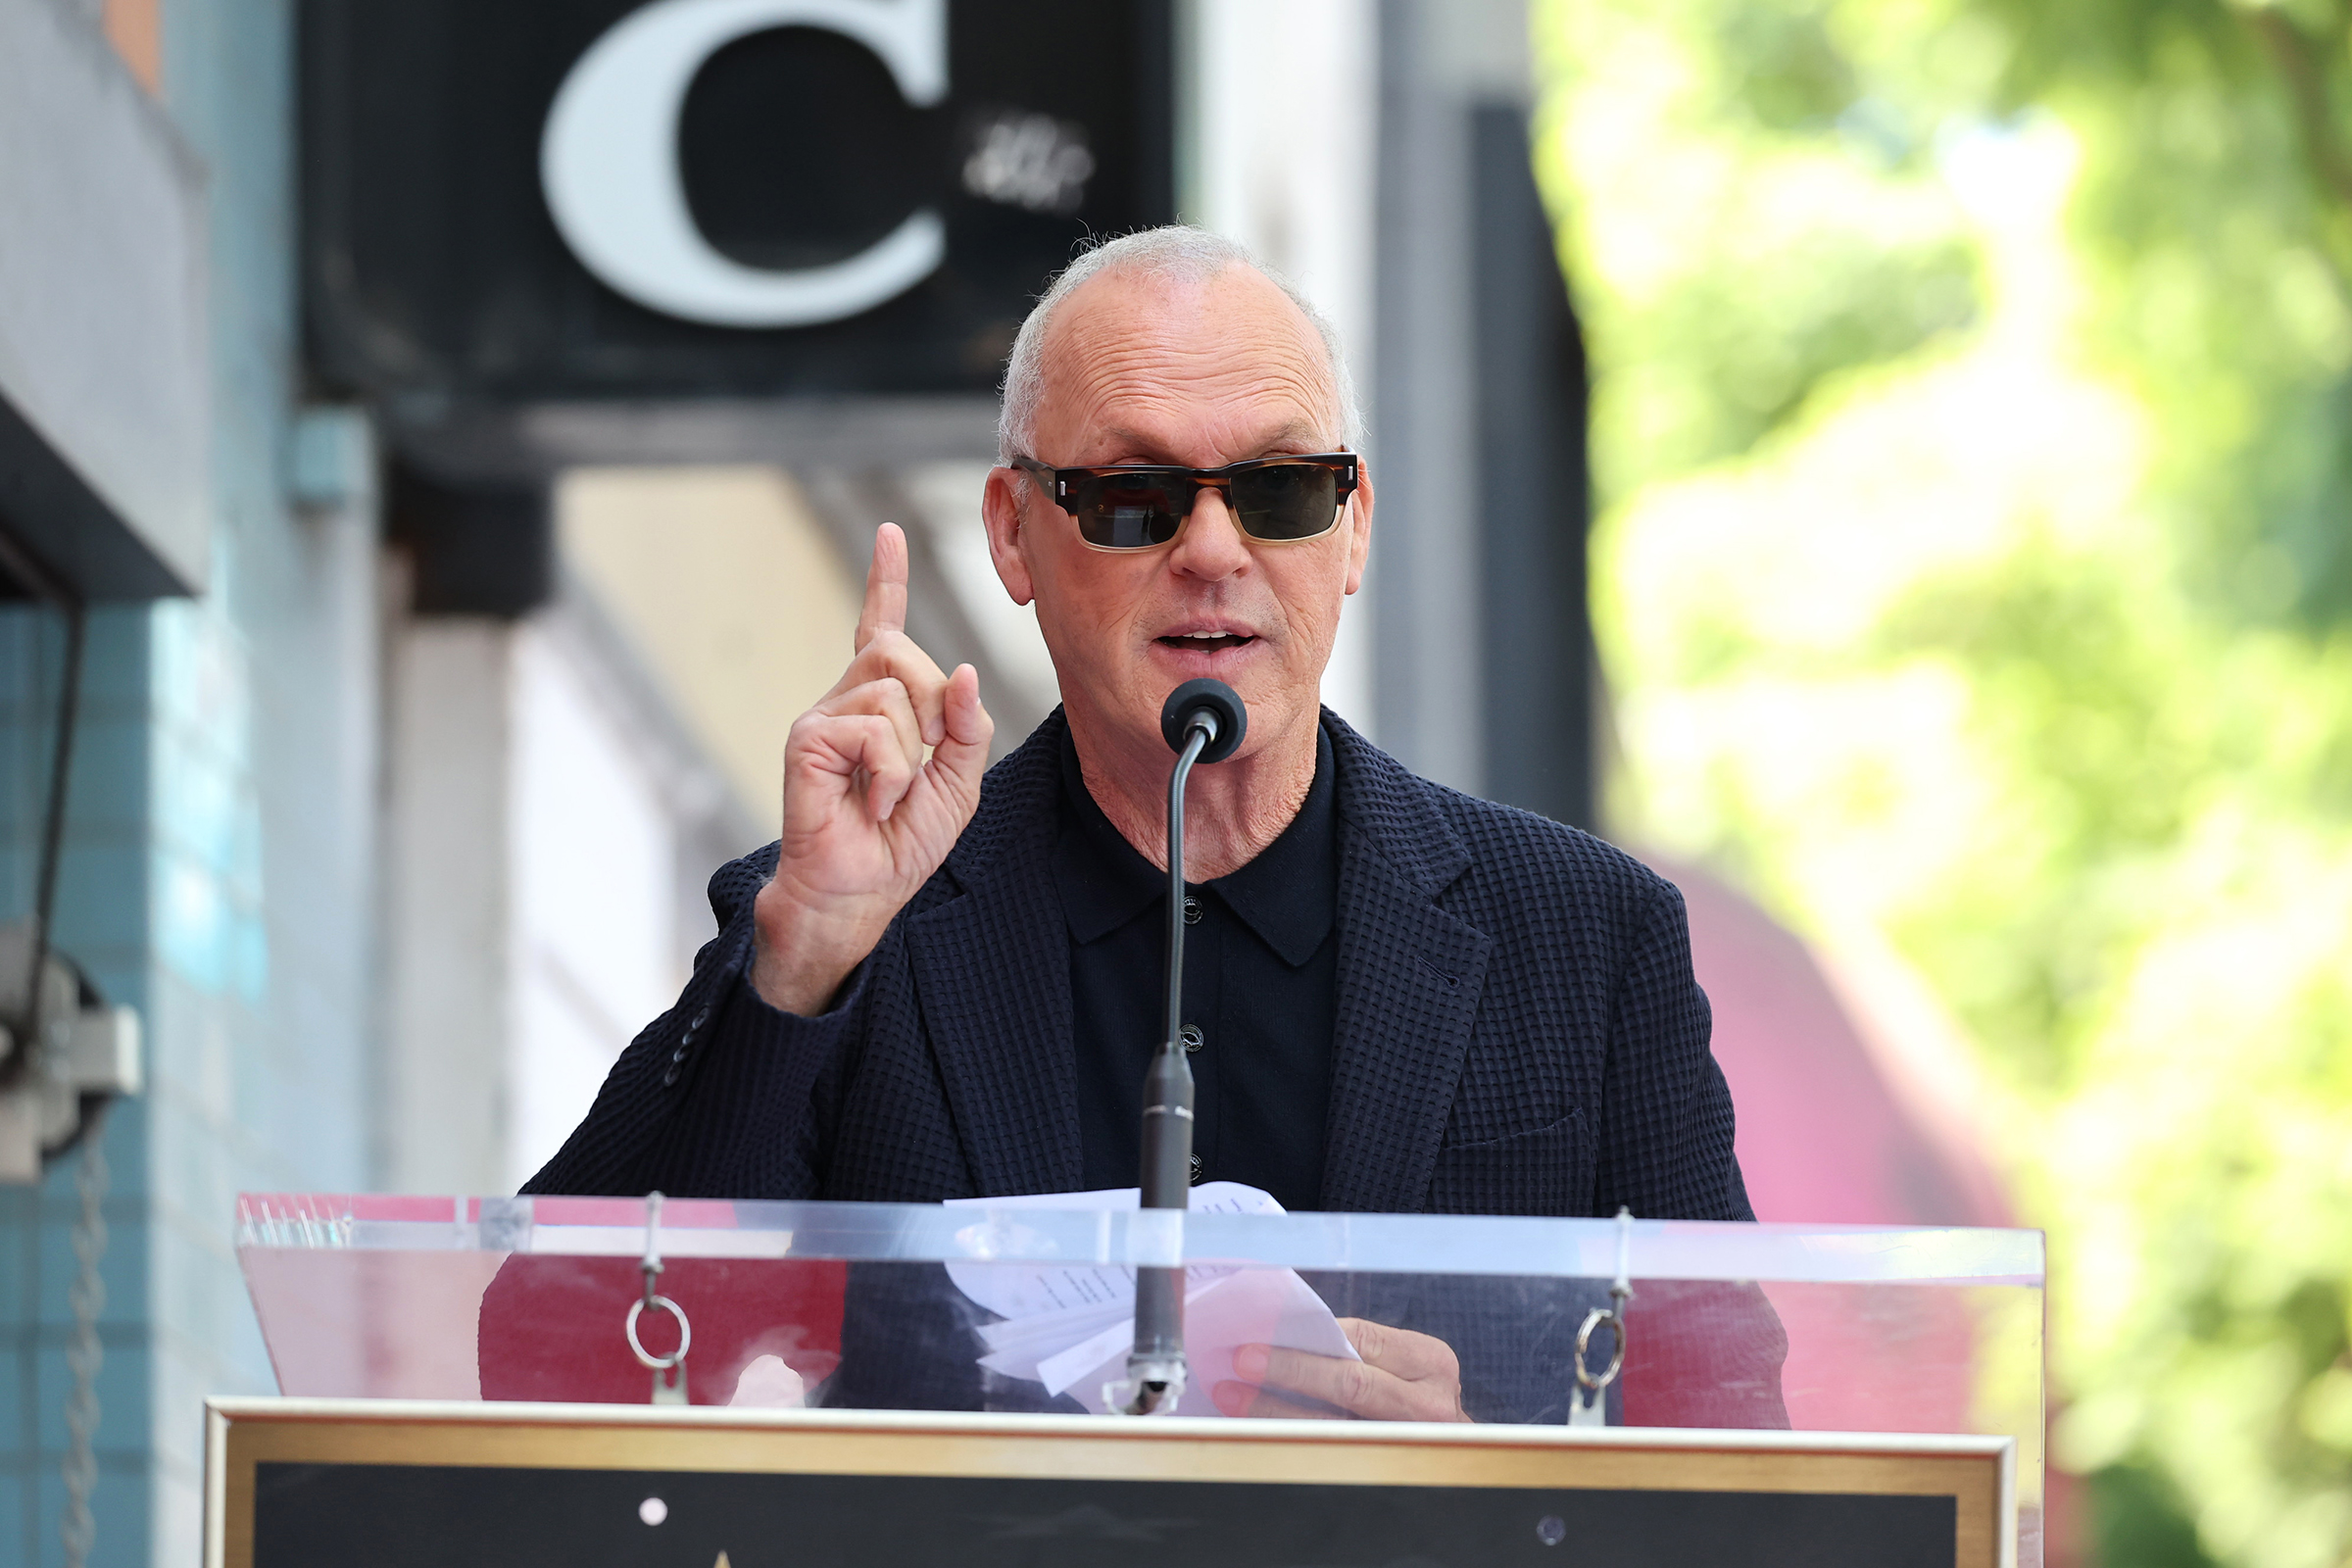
x=1178, y=370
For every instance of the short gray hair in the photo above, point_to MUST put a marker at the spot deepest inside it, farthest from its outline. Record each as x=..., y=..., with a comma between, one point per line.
x=1178, y=253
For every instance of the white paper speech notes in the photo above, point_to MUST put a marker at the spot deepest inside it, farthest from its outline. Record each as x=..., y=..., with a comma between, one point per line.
x=1070, y=1326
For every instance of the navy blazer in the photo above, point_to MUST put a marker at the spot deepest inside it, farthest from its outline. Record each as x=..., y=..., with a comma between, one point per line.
x=1519, y=1031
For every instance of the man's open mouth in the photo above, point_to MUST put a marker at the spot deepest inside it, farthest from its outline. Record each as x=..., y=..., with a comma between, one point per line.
x=1206, y=644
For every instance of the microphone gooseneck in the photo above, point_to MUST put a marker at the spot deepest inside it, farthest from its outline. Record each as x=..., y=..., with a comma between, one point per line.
x=1204, y=721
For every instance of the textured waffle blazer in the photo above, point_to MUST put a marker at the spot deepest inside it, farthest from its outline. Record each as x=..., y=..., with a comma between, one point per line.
x=1518, y=1029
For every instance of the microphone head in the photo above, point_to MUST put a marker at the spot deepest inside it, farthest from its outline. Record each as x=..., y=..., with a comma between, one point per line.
x=1232, y=719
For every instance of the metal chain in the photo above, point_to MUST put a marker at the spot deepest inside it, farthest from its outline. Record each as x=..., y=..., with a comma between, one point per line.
x=85, y=1355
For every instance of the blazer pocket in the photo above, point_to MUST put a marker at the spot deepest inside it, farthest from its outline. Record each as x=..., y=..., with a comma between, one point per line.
x=1546, y=1171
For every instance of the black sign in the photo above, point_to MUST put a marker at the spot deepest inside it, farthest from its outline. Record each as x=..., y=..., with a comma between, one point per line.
x=577, y=199
x=393, y=1516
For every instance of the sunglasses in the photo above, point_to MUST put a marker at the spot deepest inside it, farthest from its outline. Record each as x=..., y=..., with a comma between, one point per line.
x=1138, y=505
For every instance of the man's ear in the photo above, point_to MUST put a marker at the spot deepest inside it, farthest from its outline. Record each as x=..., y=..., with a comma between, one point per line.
x=1360, y=548
x=1001, y=510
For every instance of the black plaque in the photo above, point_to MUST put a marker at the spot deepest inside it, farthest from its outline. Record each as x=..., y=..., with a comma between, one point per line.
x=404, y=1516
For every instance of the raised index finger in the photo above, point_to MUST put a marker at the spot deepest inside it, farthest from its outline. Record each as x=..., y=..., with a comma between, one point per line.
x=885, y=587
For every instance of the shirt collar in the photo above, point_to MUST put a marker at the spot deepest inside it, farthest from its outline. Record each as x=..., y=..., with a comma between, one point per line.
x=1288, y=895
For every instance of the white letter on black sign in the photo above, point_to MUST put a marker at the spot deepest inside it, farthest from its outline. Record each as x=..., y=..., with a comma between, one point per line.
x=610, y=162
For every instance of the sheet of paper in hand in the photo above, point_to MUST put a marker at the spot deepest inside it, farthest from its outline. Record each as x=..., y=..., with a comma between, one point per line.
x=1070, y=1326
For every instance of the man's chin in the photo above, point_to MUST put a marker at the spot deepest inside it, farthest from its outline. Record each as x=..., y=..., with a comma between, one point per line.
x=1254, y=673
x=1131, y=698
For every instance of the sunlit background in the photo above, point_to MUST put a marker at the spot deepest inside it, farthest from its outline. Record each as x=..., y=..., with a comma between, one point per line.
x=1974, y=578
x=1970, y=600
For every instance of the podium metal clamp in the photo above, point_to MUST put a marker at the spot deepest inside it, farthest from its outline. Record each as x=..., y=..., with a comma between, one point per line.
x=1585, y=1404
x=669, y=1371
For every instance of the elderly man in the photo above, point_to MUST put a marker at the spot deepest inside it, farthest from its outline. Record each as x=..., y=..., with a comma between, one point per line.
x=939, y=985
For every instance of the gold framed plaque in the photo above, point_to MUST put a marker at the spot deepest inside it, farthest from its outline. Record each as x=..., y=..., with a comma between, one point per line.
x=294, y=1483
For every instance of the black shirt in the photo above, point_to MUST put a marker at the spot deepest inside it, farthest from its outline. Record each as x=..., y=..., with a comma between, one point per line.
x=1260, y=985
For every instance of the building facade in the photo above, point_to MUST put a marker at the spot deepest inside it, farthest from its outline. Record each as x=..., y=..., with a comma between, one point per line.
x=388, y=873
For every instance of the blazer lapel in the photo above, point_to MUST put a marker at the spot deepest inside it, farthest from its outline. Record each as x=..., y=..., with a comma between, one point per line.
x=992, y=978
x=1410, y=979
x=991, y=967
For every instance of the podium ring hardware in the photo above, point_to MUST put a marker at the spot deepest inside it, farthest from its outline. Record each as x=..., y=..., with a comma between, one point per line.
x=663, y=1363
x=1621, y=1290
x=1584, y=1341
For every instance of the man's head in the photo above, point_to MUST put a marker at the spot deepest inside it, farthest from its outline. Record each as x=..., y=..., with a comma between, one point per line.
x=1175, y=346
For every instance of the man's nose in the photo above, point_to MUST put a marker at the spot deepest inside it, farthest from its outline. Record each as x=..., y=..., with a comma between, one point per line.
x=1210, y=544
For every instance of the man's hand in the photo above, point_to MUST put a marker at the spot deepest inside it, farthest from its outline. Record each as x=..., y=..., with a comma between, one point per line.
x=1403, y=1375
x=866, y=818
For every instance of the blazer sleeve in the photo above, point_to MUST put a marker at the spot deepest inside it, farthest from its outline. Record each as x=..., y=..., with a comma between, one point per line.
x=1666, y=1121
x=723, y=1095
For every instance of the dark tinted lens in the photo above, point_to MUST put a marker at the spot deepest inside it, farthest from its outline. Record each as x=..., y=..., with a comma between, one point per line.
x=1287, y=501
x=1131, y=510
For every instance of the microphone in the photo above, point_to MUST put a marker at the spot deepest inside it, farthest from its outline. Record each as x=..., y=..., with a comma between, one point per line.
x=1204, y=721
x=1200, y=701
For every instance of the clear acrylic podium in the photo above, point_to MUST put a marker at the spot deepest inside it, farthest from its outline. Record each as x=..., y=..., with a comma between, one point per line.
x=1818, y=1329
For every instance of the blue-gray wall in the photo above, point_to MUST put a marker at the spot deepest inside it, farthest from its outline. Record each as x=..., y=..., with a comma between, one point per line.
x=102, y=920
x=218, y=874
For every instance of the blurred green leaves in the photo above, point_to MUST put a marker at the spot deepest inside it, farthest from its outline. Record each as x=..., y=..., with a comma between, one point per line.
x=1974, y=442
x=1774, y=224
x=2216, y=214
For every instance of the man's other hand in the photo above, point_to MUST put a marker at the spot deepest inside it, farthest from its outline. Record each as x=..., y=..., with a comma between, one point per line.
x=1403, y=1375
x=868, y=819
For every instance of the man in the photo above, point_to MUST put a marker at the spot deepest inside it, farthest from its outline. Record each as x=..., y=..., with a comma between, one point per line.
x=938, y=986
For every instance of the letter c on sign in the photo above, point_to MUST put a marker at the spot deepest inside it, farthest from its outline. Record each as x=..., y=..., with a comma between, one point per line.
x=608, y=161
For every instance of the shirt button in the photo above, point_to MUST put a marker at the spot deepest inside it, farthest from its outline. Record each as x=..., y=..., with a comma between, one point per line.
x=1196, y=1170
x=1191, y=911
x=1192, y=1037
x=670, y=1077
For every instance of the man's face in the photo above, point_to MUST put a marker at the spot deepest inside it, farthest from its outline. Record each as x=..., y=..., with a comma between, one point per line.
x=1200, y=376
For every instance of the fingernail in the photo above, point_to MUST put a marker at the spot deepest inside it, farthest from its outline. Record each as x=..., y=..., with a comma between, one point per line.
x=1249, y=1361
x=1232, y=1398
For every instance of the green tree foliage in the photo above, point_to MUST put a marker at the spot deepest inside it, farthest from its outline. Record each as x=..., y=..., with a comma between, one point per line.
x=2215, y=207
x=1975, y=441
